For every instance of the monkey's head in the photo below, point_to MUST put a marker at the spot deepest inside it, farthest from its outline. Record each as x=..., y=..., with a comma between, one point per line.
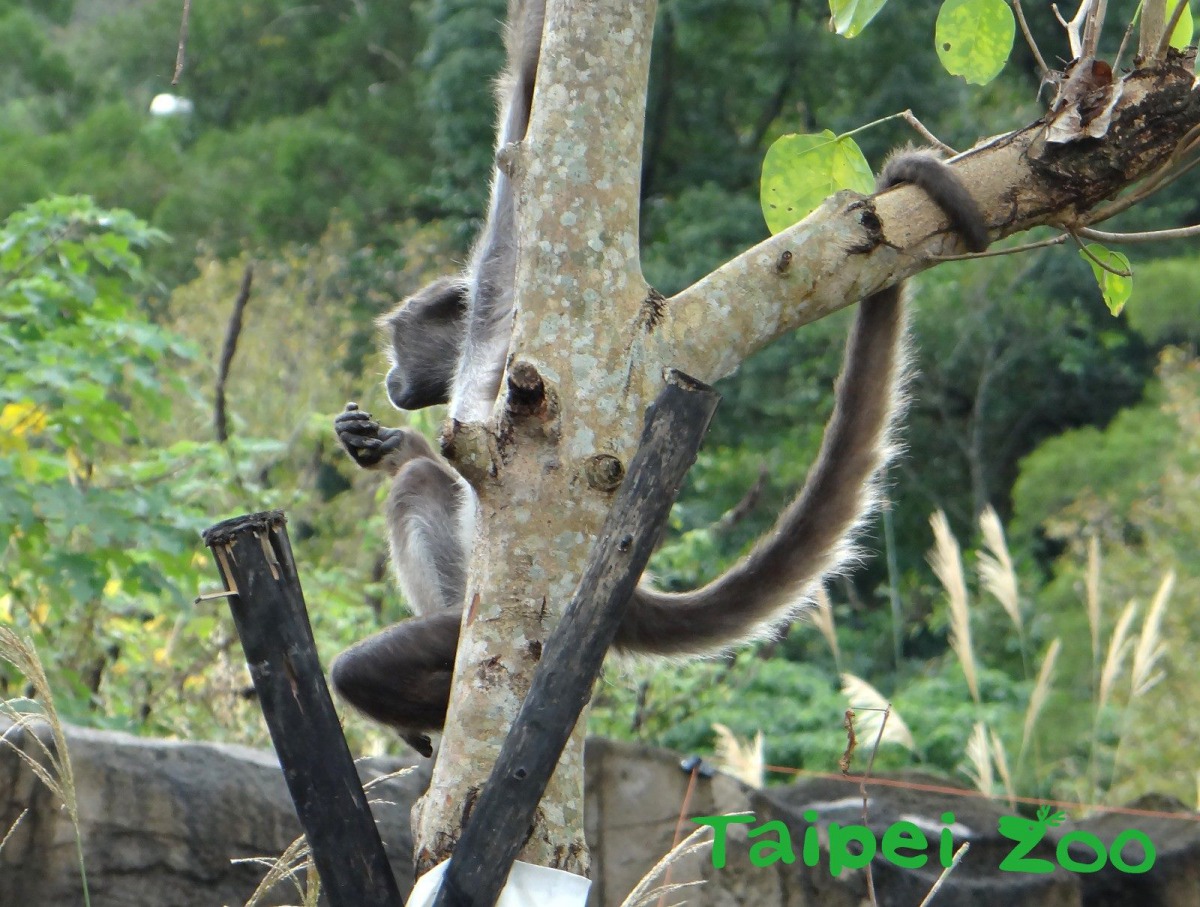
x=423, y=338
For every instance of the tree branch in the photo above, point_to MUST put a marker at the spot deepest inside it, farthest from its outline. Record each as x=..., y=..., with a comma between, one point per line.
x=232, y=333
x=853, y=246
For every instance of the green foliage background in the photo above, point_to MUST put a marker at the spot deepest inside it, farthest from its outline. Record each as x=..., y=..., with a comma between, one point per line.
x=342, y=149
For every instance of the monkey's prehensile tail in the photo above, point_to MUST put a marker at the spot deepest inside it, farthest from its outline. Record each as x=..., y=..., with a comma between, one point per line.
x=813, y=536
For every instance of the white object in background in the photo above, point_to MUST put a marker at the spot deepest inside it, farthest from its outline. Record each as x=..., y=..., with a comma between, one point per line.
x=170, y=105
x=528, y=886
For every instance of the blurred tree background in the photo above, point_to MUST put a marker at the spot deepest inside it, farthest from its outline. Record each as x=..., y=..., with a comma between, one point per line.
x=341, y=149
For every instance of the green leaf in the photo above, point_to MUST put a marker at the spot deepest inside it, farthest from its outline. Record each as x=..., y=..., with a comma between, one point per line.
x=974, y=38
x=800, y=171
x=1181, y=37
x=851, y=16
x=1115, y=287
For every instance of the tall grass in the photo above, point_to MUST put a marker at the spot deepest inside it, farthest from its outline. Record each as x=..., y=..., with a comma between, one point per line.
x=869, y=708
x=997, y=575
x=822, y=617
x=1037, y=699
x=295, y=865
x=946, y=560
x=743, y=759
x=52, y=766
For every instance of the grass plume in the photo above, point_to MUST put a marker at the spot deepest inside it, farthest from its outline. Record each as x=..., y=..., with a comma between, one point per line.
x=52, y=766
x=741, y=758
x=1118, y=645
x=1037, y=699
x=869, y=708
x=979, y=757
x=996, y=569
x=822, y=617
x=288, y=866
x=1092, y=595
x=646, y=891
x=1150, y=647
x=946, y=560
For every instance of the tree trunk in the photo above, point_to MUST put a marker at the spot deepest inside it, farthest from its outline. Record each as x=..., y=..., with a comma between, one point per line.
x=594, y=334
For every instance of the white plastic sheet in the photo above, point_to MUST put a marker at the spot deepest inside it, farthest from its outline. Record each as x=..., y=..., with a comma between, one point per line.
x=528, y=886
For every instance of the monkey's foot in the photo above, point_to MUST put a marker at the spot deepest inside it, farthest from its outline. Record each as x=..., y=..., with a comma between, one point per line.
x=419, y=742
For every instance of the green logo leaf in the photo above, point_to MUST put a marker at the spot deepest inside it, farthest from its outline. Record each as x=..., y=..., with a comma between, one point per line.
x=974, y=38
x=1048, y=816
x=800, y=171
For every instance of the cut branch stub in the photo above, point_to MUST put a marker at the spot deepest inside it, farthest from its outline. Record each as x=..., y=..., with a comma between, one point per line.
x=605, y=472
x=526, y=391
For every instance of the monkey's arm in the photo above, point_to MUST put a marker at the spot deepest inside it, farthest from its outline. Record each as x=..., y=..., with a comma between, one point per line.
x=492, y=270
x=401, y=675
x=372, y=446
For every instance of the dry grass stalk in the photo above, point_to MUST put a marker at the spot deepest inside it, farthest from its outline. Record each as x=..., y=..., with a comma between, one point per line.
x=822, y=617
x=1041, y=689
x=996, y=569
x=958, y=855
x=1092, y=588
x=869, y=708
x=1118, y=645
x=1150, y=648
x=946, y=560
x=1000, y=758
x=980, y=756
x=645, y=891
x=295, y=859
x=8, y=834
x=741, y=758
x=53, y=768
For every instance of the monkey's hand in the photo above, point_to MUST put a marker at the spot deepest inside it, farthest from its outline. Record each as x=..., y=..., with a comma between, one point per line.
x=367, y=442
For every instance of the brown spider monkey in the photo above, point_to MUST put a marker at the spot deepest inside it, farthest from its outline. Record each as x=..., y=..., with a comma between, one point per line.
x=448, y=343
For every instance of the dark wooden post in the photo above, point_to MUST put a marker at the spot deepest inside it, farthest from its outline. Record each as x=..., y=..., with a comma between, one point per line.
x=254, y=556
x=563, y=680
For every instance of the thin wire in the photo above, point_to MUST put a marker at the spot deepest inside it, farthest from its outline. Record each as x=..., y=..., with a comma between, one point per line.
x=961, y=792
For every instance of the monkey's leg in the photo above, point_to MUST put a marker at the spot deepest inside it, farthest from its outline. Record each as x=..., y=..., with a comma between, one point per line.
x=401, y=675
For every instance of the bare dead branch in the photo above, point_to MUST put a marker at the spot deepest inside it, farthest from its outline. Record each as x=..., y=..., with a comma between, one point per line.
x=920, y=128
x=1124, y=44
x=1009, y=250
x=220, y=420
x=181, y=53
x=1092, y=27
x=1144, y=236
x=1075, y=28
x=1043, y=69
x=743, y=508
x=1154, y=17
x=958, y=855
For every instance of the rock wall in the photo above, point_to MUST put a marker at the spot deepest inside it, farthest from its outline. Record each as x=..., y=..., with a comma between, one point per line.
x=162, y=820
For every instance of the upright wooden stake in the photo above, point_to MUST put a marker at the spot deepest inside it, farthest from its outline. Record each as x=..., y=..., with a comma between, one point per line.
x=254, y=556
x=562, y=683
